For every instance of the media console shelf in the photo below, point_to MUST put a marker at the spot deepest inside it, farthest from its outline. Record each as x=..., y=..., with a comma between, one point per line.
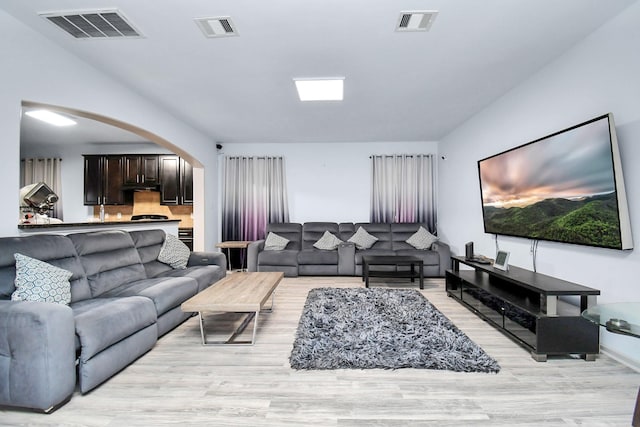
x=525, y=306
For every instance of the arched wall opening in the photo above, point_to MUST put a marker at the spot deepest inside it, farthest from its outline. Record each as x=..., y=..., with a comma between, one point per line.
x=198, y=167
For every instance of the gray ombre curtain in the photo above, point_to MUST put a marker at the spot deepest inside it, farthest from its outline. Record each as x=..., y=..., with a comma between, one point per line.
x=48, y=171
x=254, y=194
x=403, y=189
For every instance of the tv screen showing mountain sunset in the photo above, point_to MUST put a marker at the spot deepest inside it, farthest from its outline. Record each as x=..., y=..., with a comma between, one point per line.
x=560, y=188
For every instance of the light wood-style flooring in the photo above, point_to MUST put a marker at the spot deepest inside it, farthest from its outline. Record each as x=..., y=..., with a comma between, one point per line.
x=181, y=382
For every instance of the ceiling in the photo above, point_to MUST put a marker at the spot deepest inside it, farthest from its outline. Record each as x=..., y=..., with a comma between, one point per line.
x=399, y=86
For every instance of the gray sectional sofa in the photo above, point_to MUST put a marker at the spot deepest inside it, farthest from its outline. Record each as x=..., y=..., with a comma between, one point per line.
x=300, y=257
x=122, y=300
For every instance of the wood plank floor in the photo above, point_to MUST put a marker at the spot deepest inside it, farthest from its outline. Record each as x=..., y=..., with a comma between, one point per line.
x=180, y=382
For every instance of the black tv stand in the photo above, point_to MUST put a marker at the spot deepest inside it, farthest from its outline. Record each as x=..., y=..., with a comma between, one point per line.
x=525, y=306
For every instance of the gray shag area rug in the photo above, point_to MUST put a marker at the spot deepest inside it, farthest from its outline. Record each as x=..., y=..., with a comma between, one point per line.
x=362, y=328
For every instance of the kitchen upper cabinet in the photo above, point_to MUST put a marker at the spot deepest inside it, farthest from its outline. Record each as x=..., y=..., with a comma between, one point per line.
x=186, y=182
x=141, y=169
x=176, y=177
x=103, y=180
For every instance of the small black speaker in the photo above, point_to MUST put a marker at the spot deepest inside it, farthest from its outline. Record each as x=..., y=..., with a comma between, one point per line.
x=468, y=251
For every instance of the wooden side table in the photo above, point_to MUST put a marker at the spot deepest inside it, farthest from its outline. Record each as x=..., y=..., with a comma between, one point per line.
x=235, y=244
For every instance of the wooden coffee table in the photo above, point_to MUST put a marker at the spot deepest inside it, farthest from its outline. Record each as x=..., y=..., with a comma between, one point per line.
x=236, y=293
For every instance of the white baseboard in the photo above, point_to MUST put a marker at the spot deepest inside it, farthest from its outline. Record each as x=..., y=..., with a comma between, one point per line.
x=633, y=364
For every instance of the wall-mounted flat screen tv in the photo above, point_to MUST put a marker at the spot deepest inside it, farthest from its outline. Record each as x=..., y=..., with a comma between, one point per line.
x=565, y=187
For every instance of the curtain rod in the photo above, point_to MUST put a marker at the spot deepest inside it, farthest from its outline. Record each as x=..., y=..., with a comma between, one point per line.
x=255, y=157
x=400, y=155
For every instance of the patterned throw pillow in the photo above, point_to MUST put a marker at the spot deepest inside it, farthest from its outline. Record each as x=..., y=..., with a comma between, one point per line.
x=362, y=239
x=327, y=242
x=39, y=281
x=422, y=239
x=275, y=242
x=174, y=252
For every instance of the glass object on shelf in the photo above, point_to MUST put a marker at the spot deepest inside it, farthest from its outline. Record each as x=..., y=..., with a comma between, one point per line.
x=620, y=318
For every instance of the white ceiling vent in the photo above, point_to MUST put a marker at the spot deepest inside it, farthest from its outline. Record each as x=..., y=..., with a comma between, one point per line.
x=221, y=26
x=416, y=20
x=93, y=24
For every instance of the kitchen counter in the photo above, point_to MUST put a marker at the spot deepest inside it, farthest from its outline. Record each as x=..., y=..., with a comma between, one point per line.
x=169, y=225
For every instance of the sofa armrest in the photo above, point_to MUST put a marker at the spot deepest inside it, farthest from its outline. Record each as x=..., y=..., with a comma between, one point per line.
x=253, y=250
x=37, y=354
x=346, y=259
x=445, y=256
x=208, y=258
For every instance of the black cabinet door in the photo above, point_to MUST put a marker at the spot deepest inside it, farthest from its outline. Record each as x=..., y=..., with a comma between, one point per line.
x=92, y=180
x=103, y=179
x=170, y=179
x=149, y=169
x=140, y=169
x=113, y=180
x=131, y=170
x=186, y=183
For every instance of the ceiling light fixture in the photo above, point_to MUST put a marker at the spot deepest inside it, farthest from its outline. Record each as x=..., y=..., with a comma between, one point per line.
x=50, y=117
x=320, y=89
x=418, y=20
x=221, y=26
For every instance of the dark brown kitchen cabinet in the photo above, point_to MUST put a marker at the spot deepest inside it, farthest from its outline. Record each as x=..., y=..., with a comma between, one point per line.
x=186, y=182
x=176, y=177
x=141, y=170
x=103, y=180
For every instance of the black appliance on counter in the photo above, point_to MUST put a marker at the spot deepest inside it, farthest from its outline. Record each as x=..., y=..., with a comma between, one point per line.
x=148, y=216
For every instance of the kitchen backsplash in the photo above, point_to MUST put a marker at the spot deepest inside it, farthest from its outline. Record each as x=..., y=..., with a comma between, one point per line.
x=147, y=202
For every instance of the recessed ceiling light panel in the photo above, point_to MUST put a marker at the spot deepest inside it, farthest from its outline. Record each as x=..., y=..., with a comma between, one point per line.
x=221, y=26
x=320, y=89
x=419, y=20
x=94, y=24
x=50, y=117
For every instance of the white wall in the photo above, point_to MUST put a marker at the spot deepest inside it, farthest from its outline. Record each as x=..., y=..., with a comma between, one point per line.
x=331, y=181
x=37, y=70
x=597, y=76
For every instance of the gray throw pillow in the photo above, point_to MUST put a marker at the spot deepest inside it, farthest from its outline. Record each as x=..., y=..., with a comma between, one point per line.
x=274, y=242
x=327, y=242
x=362, y=239
x=174, y=252
x=39, y=281
x=422, y=239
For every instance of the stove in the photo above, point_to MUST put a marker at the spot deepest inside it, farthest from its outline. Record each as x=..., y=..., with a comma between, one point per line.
x=148, y=216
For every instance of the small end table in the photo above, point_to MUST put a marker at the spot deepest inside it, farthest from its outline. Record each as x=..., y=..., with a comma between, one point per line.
x=620, y=318
x=235, y=244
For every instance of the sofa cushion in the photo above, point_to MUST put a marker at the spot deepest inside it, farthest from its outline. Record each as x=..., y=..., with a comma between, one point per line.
x=275, y=242
x=276, y=258
x=148, y=243
x=109, y=258
x=372, y=252
x=317, y=257
x=38, y=281
x=362, y=239
x=288, y=230
x=56, y=250
x=422, y=239
x=327, y=242
x=427, y=257
x=165, y=292
x=204, y=275
x=174, y=252
x=102, y=322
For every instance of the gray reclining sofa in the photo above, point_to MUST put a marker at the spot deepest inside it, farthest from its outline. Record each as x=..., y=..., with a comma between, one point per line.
x=122, y=300
x=300, y=257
